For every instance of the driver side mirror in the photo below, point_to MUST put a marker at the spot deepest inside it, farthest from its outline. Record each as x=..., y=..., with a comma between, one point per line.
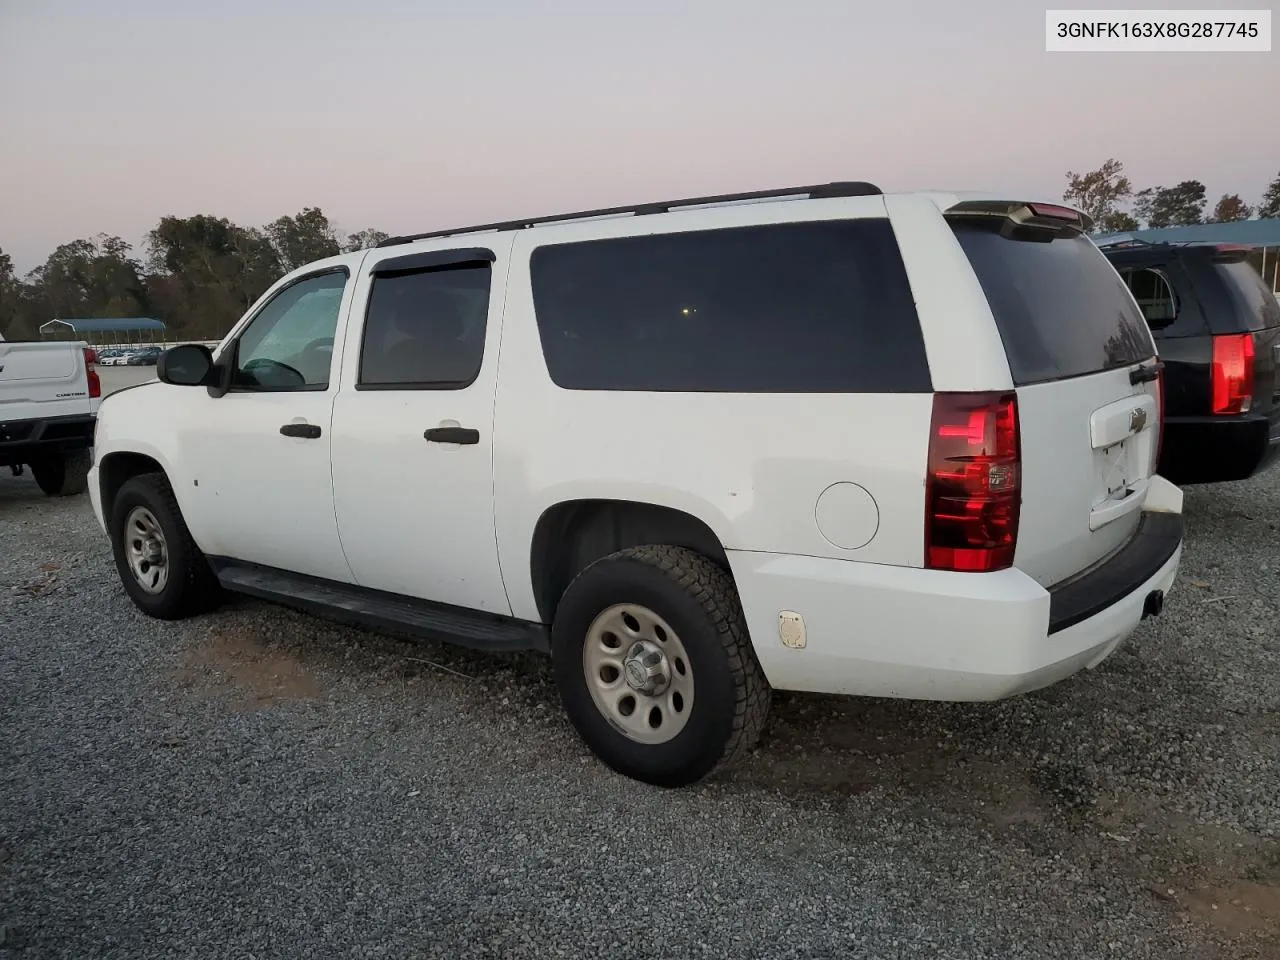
x=188, y=365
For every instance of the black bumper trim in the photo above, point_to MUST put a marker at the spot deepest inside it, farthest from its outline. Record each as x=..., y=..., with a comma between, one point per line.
x=1157, y=539
x=73, y=432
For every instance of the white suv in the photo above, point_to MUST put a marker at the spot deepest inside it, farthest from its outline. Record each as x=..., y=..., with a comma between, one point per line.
x=819, y=439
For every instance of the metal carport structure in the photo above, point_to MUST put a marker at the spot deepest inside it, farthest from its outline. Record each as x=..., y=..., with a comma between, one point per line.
x=100, y=331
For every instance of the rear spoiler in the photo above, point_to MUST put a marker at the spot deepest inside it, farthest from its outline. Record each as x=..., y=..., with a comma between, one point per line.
x=1055, y=218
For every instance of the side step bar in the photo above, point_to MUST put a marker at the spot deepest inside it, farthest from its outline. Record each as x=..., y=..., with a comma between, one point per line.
x=377, y=610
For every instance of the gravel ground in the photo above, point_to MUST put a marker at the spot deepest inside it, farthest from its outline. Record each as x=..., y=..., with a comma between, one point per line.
x=259, y=783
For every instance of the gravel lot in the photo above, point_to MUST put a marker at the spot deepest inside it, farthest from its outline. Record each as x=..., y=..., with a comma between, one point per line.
x=259, y=783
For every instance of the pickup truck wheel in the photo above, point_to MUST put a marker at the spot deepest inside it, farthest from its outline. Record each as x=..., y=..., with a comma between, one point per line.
x=162, y=569
x=654, y=666
x=64, y=476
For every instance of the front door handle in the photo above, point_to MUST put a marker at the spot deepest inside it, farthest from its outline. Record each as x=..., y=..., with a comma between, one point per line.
x=308, y=431
x=451, y=435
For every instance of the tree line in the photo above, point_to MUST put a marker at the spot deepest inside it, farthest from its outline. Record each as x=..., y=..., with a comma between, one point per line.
x=198, y=274
x=1108, y=196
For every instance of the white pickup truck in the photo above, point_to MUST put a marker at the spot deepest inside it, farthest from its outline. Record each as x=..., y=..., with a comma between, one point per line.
x=49, y=398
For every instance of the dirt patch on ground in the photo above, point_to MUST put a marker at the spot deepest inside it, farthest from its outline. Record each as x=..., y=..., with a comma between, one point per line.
x=242, y=661
x=1238, y=909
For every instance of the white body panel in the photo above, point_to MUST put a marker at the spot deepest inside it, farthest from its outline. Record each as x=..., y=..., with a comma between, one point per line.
x=39, y=380
x=415, y=517
x=1079, y=456
x=883, y=631
x=750, y=466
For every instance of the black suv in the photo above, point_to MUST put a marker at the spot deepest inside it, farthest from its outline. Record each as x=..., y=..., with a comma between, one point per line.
x=1217, y=327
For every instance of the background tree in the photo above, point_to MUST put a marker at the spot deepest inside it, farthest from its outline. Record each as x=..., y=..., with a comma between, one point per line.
x=207, y=271
x=10, y=291
x=1117, y=222
x=1270, y=206
x=201, y=273
x=1229, y=209
x=364, y=240
x=304, y=237
x=1099, y=194
x=1180, y=205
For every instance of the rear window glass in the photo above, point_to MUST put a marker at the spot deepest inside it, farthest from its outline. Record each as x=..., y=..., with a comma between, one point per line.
x=1256, y=305
x=820, y=307
x=1061, y=308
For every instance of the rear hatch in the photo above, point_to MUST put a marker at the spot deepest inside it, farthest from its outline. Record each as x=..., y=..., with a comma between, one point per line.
x=1084, y=366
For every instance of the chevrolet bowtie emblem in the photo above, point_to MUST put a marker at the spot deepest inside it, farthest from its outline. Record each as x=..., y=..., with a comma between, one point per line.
x=1137, y=420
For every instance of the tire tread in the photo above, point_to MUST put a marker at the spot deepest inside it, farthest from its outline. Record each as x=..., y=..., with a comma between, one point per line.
x=200, y=588
x=713, y=589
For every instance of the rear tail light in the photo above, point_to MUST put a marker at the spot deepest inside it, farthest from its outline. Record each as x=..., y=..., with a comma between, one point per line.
x=91, y=371
x=973, y=493
x=1232, y=373
x=1054, y=211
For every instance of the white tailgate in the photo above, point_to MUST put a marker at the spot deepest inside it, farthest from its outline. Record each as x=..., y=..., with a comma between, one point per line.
x=1088, y=446
x=42, y=380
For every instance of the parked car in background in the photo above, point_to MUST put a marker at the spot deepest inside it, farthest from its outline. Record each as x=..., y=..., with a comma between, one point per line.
x=1217, y=326
x=143, y=357
x=806, y=439
x=49, y=398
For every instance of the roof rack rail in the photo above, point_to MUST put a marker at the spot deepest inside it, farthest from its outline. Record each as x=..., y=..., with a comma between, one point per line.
x=815, y=192
x=1123, y=241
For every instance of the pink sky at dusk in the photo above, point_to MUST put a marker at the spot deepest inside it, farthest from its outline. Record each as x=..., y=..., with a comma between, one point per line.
x=408, y=116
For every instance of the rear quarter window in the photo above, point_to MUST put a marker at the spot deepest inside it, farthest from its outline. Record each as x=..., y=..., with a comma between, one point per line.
x=1060, y=306
x=1255, y=305
x=818, y=307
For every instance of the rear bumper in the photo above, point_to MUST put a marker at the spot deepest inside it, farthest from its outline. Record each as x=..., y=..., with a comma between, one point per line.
x=25, y=441
x=875, y=630
x=1218, y=449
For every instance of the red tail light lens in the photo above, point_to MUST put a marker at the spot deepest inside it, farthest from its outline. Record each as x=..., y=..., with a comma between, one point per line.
x=91, y=371
x=1053, y=210
x=974, y=490
x=1232, y=373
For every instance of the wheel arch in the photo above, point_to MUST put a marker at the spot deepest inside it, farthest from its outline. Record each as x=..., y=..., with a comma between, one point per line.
x=117, y=468
x=572, y=534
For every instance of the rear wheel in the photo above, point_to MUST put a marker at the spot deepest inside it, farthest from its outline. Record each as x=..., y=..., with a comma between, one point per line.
x=66, y=475
x=654, y=665
x=162, y=569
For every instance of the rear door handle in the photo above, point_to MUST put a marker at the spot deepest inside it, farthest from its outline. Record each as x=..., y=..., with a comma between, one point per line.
x=1145, y=374
x=308, y=431
x=451, y=435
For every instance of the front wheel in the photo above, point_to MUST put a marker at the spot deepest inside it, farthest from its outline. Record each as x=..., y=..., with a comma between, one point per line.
x=162, y=569
x=654, y=665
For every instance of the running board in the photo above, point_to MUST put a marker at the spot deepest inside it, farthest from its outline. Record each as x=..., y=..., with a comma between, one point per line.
x=382, y=611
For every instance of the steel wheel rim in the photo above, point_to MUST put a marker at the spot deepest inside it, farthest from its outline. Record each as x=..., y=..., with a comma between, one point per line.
x=146, y=549
x=639, y=673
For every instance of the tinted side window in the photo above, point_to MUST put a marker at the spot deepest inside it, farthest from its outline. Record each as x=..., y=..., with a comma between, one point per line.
x=1154, y=295
x=788, y=308
x=425, y=329
x=289, y=344
x=1061, y=308
x=1254, y=302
